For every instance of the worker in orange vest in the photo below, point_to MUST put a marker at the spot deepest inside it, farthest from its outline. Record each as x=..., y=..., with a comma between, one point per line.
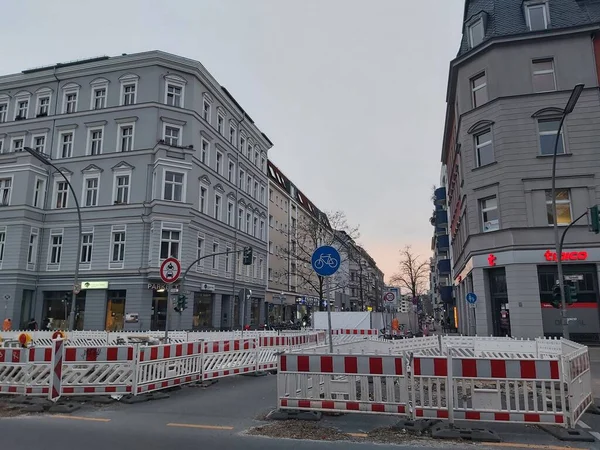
x=7, y=325
x=395, y=326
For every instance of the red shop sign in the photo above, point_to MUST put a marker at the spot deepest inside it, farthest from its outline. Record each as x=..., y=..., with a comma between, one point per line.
x=566, y=256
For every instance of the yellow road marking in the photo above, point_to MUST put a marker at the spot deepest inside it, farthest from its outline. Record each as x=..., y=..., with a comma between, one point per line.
x=360, y=435
x=90, y=419
x=533, y=446
x=202, y=427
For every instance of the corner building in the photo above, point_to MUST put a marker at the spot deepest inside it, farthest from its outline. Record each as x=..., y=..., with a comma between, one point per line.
x=517, y=65
x=164, y=162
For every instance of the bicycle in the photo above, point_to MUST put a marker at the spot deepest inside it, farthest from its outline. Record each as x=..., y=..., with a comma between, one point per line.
x=326, y=259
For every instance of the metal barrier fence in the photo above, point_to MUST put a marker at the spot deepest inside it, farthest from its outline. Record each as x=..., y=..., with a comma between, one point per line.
x=542, y=381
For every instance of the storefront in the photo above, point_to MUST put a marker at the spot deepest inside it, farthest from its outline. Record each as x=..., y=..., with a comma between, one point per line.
x=203, y=311
x=56, y=308
x=280, y=308
x=514, y=294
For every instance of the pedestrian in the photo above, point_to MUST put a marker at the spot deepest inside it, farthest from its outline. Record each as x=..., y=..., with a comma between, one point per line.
x=32, y=325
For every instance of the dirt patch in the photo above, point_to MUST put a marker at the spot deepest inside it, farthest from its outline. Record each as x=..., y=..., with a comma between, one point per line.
x=299, y=429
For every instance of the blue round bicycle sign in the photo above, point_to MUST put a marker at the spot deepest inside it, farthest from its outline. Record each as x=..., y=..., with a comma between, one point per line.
x=325, y=261
x=471, y=298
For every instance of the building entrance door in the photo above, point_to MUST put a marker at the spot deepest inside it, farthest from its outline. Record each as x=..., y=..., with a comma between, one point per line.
x=499, y=302
x=159, y=311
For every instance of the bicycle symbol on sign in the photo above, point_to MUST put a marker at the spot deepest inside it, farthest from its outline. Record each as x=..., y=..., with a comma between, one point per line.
x=326, y=259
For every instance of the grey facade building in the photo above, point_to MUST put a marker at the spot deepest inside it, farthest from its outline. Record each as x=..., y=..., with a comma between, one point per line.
x=517, y=64
x=164, y=162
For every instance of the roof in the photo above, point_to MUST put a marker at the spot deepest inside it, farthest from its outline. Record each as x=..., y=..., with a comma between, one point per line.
x=506, y=17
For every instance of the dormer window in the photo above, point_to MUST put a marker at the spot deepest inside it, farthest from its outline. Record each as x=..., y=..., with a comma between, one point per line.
x=536, y=15
x=476, y=33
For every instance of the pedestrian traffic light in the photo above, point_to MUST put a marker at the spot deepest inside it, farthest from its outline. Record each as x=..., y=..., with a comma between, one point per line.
x=247, y=256
x=594, y=219
x=556, y=296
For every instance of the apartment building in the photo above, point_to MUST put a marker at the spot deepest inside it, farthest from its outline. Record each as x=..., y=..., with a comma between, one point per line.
x=517, y=65
x=163, y=161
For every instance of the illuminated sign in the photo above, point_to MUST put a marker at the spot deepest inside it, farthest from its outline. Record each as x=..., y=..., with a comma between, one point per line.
x=492, y=260
x=566, y=256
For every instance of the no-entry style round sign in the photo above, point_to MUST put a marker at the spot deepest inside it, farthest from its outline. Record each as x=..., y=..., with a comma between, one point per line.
x=170, y=270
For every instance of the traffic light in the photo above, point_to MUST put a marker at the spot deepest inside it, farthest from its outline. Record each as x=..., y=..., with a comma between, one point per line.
x=247, y=256
x=570, y=292
x=181, y=304
x=594, y=219
x=556, y=296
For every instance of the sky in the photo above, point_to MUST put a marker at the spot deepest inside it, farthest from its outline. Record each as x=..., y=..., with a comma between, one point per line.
x=351, y=92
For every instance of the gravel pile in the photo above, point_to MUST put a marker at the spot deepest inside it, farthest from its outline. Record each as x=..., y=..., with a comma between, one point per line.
x=299, y=429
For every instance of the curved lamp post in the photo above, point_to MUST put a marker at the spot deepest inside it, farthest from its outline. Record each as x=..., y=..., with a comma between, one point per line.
x=46, y=161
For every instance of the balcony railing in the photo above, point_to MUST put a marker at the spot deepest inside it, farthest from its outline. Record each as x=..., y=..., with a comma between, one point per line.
x=443, y=266
x=446, y=293
x=440, y=195
x=441, y=217
x=442, y=242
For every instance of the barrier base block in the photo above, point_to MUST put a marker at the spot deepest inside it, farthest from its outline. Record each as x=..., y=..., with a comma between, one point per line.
x=415, y=426
x=285, y=414
x=65, y=408
x=258, y=373
x=568, y=434
x=593, y=408
x=446, y=431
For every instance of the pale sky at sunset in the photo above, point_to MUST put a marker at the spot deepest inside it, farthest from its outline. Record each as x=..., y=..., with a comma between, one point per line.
x=352, y=93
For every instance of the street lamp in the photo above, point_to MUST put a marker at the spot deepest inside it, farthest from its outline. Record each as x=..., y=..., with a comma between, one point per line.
x=46, y=161
x=561, y=282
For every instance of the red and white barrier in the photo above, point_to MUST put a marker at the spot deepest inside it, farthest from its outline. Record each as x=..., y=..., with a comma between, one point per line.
x=228, y=358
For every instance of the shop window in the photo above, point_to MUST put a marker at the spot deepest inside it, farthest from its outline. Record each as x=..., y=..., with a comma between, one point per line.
x=203, y=311
x=115, y=310
x=55, y=312
x=587, y=290
x=254, y=311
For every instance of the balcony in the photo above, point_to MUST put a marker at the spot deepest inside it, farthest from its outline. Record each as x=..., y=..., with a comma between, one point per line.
x=441, y=218
x=443, y=266
x=446, y=293
x=440, y=231
x=440, y=196
x=442, y=242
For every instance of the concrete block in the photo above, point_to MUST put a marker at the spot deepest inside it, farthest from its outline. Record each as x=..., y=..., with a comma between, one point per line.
x=280, y=414
x=133, y=399
x=65, y=408
x=415, y=426
x=445, y=431
x=568, y=434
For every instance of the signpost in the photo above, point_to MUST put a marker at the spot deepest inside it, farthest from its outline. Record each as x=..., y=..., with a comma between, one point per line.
x=325, y=262
x=244, y=295
x=471, y=299
x=170, y=270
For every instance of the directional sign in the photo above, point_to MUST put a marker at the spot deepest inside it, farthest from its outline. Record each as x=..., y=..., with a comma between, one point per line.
x=170, y=270
x=326, y=261
x=471, y=298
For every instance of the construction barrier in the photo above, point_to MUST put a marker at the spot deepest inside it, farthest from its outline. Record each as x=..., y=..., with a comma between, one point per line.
x=542, y=381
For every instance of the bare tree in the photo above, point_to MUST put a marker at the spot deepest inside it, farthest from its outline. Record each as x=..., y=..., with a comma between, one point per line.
x=304, y=236
x=413, y=274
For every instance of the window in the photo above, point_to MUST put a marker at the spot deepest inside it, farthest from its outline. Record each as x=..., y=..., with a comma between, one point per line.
x=254, y=267
x=270, y=220
x=271, y=194
x=215, y=258
x=263, y=163
x=230, y=218
x=39, y=143
x=249, y=150
x=43, y=106
x=547, y=131
x=249, y=184
x=173, y=186
x=87, y=243
x=206, y=110
x=172, y=135
x=219, y=163
x=543, y=75
x=5, y=191
x=232, y=134
x=262, y=230
x=248, y=223
x=240, y=219
x=218, y=201
x=536, y=16
x=99, y=98
x=262, y=195
x=242, y=180
x=70, y=102
x=3, y=112
x=489, y=214
x=17, y=144
x=2, y=243
x=169, y=244
x=200, y=253
x=270, y=274
x=231, y=172
x=95, y=141
x=174, y=95
x=476, y=33
x=22, y=109
x=261, y=273
x=31, y=250
x=563, y=207
x=256, y=157
x=271, y=247
x=39, y=192
x=66, y=145
x=56, y=241
x=479, y=88
x=204, y=151
x=484, y=148
x=242, y=143
x=220, y=122
x=255, y=192
x=128, y=93
x=203, y=199
x=62, y=194
x=121, y=189
x=118, y=247
x=125, y=143
x=90, y=194
x=255, y=227
x=227, y=260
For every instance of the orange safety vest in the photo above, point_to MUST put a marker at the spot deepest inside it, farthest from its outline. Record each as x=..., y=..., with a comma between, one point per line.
x=395, y=324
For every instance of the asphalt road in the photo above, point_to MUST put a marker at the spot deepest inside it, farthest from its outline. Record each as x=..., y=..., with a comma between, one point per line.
x=217, y=418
